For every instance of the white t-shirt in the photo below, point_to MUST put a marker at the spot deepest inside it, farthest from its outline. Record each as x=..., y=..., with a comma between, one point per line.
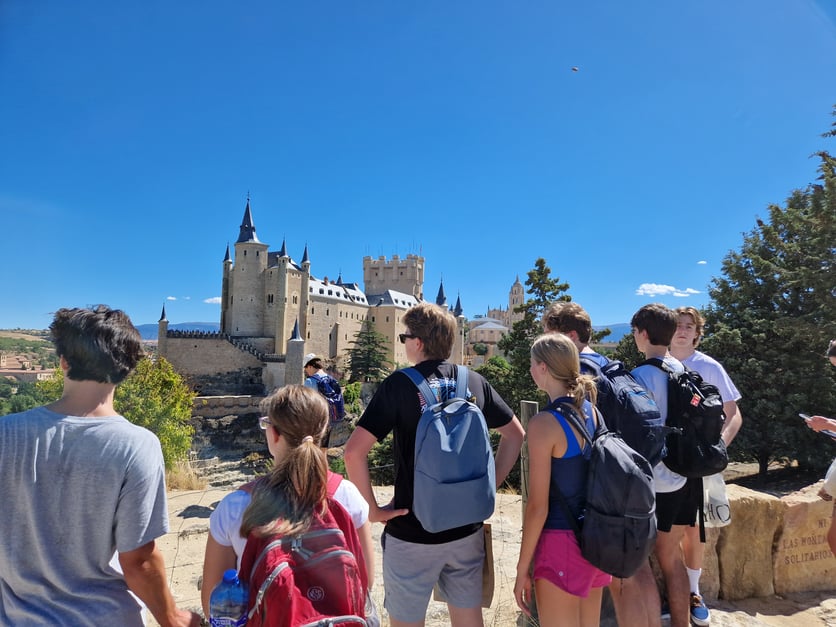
x=225, y=521
x=655, y=381
x=712, y=372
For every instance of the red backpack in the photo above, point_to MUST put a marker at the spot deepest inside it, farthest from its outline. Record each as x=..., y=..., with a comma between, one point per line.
x=315, y=578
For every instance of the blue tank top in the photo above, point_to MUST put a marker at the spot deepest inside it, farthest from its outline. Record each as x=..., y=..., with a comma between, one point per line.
x=568, y=472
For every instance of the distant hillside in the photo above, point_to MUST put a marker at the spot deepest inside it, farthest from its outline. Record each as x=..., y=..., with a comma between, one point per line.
x=149, y=331
x=617, y=331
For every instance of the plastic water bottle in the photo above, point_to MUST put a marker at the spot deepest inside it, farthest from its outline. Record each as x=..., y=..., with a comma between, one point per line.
x=228, y=602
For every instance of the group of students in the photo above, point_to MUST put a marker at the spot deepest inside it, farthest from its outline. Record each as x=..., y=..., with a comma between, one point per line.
x=568, y=588
x=78, y=476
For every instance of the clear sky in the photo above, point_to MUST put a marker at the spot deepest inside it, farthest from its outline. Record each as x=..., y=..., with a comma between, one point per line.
x=131, y=134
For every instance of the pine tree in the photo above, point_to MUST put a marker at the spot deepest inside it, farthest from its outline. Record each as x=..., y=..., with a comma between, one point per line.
x=773, y=313
x=516, y=345
x=367, y=359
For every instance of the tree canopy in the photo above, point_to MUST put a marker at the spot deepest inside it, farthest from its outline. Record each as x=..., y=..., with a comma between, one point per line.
x=516, y=345
x=773, y=312
x=367, y=359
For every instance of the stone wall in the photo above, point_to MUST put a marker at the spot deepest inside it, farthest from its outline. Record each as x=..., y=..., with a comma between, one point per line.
x=772, y=546
x=207, y=356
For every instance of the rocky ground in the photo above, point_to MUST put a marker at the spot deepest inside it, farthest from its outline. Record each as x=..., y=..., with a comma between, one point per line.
x=189, y=511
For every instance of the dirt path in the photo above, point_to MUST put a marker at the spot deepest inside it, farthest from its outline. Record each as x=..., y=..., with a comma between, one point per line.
x=189, y=514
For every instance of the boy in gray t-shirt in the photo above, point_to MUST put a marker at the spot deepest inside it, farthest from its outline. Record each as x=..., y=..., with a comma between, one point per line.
x=81, y=483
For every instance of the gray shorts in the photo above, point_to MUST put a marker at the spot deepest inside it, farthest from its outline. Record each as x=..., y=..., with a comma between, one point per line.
x=411, y=570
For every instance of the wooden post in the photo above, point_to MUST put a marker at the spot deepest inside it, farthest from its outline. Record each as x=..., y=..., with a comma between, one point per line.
x=527, y=410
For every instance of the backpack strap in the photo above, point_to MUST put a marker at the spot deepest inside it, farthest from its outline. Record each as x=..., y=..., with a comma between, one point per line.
x=423, y=386
x=461, y=382
x=572, y=416
x=334, y=481
x=659, y=363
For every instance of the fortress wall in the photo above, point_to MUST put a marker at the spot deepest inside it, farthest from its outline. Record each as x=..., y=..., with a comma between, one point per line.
x=220, y=406
x=199, y=356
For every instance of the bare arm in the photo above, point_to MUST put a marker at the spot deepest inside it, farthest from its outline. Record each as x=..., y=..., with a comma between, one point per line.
x=733, y=421
x=820, y=423
x=144, y=571
x=216, y=560
x=356, y=457
x=367, y=546
x=541, y=437
x=510, y=443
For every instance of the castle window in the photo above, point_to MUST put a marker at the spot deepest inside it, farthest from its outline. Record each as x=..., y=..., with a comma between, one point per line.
x=327, y=312
x=295, y=299
x=372, y=318
x=330, y=292
x=321, y=291
x=245, y=253
x=312, y=310
x=387, y=318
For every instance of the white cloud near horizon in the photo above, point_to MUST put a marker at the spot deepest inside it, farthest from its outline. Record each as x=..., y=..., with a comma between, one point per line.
x=657, y=289
x=702, y=262
x=171, y=298
x=215, y=300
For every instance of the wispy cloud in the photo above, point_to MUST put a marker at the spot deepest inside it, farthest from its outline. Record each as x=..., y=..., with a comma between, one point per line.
x=171, y=298
x=215, y=300
x=702, y=262
x=657, y=289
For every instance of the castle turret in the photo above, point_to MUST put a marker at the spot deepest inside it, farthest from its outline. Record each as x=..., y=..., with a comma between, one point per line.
x=457, y=310
x=294, y=372
x=441, y=298
x=246, y=285
x=226, y=300
x=402, y=275
x=162, y=334
x=306, y=294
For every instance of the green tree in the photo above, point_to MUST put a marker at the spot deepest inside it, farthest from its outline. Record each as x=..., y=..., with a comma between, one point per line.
x=497, y=371
x=627, y=352
x=773, y=312
x=367, y=359
x=154, y=396
x=480, y=349
x=516, y=345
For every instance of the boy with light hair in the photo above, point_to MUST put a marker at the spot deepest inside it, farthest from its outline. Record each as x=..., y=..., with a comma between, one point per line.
x=689, y=330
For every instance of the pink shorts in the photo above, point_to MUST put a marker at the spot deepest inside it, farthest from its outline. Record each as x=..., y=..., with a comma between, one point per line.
x=558, y=560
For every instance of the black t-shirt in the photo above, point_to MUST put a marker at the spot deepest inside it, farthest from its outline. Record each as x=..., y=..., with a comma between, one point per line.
x=396, y=407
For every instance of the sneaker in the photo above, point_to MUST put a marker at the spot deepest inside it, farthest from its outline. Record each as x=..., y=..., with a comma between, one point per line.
x=699, y=612
x=666, y=610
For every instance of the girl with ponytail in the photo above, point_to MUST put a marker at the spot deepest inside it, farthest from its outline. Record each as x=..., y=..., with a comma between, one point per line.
x=285, y=501
x=568, y=588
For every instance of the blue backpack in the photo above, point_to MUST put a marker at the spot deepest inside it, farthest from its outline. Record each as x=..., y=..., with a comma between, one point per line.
x=628, y=409
x=330, y=388
x=455, y=477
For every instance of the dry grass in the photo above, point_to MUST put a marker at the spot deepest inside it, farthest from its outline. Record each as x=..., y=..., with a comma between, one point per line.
x=184, y=477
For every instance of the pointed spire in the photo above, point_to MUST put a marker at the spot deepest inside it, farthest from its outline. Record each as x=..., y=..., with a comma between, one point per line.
x=226, y=256
x=295, y=335
x=457, y=310
x=441, y=299
x=162, y=315
x=283, y=251
x=305, y=255
x=340, y=278
x=247, y=232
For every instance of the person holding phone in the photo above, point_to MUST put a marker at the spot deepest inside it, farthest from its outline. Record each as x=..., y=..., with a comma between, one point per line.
x=828, y=426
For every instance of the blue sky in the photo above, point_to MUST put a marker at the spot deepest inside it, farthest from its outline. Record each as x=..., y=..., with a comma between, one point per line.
x=131, y=134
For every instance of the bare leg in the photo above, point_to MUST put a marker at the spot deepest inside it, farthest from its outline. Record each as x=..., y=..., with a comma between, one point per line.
x=676, y=580
x=400, y=623
x=692, y=548
x=636, y=599
x=465, y=617
x=831, y=534
x=556, y=607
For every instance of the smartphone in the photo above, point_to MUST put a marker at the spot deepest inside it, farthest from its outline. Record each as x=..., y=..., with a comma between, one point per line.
x=806, y=418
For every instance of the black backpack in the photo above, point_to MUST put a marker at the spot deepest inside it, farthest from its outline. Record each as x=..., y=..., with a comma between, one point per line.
x=617, y=530
x=695, y=411
x=628, y=409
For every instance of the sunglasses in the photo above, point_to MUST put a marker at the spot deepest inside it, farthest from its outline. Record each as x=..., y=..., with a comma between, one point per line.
x=403, y=337
x=264, y=422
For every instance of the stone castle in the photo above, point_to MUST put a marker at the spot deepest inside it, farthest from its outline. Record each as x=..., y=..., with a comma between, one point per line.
x=274, y=310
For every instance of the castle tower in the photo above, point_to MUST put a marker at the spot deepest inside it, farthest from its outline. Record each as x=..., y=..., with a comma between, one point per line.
x=457, y=310
x=282, y=295
x=226, y=300
x=402, y=275
x=305, y=297
x=294, y=360
x=162, y=334
x=516, y=297
x=246, y=312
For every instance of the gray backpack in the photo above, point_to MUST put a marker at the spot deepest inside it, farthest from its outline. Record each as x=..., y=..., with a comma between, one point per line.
x=455, y=477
